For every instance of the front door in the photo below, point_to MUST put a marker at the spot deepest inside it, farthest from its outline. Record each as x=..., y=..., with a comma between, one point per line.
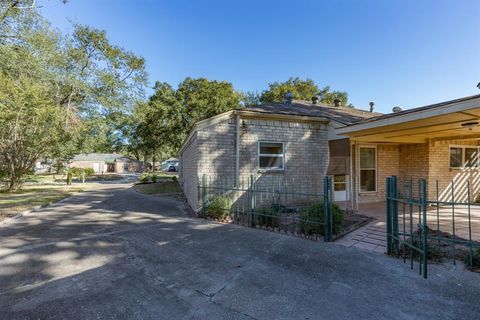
x=340, y=187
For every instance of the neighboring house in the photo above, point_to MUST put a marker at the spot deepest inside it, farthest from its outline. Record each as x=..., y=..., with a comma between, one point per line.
x=294, y=141
x=359, y=149
x=107, y=162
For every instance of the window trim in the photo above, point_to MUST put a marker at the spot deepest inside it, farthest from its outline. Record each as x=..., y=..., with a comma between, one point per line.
x=463, y=147
x=282, y=155
x=359, y=175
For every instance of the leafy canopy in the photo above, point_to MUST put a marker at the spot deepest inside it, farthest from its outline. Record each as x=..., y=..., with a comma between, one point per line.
x=302, y=90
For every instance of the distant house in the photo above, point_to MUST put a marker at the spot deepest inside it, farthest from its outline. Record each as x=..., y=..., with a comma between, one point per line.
x=107, y=162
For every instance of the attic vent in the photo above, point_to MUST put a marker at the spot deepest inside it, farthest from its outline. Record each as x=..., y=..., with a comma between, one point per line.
x=397, y=109
x=288, y=97
x=337, y=103
x=314, y=100
x=372, y=106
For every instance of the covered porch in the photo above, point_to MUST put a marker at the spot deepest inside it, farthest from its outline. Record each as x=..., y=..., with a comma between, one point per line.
x=438, y=143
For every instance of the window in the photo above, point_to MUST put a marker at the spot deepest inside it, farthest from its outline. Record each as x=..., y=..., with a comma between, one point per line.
x=463, y=157
x=368, y=169
x=270, y=156
x=339, y=183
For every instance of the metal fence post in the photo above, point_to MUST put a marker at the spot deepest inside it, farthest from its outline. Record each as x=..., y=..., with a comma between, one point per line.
x=424, y=228
x=251, y=192
x=389, y=217
x=327, y=211
x=204, y=194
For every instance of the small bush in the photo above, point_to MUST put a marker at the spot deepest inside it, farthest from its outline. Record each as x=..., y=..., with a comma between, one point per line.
x=475, y=259
x=154, y=178
x=268, y=217
x=144, y=178
x=174, y=178
x=218, y=208
x=313, y=216
x=89, y=172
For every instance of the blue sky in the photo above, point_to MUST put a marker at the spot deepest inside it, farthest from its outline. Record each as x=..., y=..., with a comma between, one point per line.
x=405, y=53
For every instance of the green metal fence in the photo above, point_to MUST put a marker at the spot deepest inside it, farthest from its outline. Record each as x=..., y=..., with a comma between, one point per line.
x=423, y=226
x=273, y=203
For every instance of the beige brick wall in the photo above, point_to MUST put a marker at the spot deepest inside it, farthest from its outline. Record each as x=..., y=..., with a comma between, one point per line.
x=430, y=161
x=188, y=174
x=387, y=165
x=439, y=170
x=213, y=152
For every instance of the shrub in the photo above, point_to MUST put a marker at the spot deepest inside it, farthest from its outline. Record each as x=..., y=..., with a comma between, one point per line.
x=174, y=178
x=78, y=172
x=218, y=208
x=268, y=217
x=89, y=172
x=154, y=178
x=314, y=213
x=475, y=259
x=144, y=178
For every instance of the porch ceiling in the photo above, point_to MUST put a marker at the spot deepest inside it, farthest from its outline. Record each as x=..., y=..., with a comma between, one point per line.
x=450, y=125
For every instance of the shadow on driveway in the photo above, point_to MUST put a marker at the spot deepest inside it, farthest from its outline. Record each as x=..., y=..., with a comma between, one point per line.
x=114, y=253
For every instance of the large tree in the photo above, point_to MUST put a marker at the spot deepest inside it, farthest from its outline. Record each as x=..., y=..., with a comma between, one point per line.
x=169, y=114
x=302, y=90
x=60, y=94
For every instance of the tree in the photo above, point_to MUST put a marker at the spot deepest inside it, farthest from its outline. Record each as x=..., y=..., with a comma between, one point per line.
x=302, y=90
x=167, y=117
x=202, y=98
x=251, y=99
x=59, y=91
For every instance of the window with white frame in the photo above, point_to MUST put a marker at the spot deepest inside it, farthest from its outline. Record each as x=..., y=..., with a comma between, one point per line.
x=464, y=156
x=368, y=169
x=271, y=155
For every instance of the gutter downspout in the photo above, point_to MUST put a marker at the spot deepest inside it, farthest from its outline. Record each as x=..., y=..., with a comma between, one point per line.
x=237, y=151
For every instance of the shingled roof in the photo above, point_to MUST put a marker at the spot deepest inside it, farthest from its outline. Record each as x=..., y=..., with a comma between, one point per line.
x=109, y=157
x=344, y=115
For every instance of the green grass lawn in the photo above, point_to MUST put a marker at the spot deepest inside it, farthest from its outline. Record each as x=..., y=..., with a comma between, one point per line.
x=30, y=196
x=163, y=186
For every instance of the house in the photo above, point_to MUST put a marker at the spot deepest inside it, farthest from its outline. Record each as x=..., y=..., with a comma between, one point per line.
x=107, y=162
x=293, y=141
x=438, y=143
x=359, y=149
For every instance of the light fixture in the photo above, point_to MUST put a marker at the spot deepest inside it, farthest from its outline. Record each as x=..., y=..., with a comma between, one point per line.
x=470, y=125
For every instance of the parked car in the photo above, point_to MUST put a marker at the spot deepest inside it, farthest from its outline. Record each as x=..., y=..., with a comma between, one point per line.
x=170, y=165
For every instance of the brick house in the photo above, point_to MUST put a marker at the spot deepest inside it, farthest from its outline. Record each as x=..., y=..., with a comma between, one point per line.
x=438, y=142
x=359, y=149
x=107, y=162
x=295, y=140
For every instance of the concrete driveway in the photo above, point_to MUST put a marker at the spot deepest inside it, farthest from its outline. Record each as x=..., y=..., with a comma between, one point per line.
x=113, y=253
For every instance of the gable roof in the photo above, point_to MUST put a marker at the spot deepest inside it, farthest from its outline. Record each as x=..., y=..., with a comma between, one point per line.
x=344, y=115
x=100, y=157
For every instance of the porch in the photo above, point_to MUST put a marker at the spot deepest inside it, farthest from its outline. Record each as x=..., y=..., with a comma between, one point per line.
x=460, y=220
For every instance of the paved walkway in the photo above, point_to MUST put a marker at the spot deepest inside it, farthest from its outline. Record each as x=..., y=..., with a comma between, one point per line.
x=113, y=253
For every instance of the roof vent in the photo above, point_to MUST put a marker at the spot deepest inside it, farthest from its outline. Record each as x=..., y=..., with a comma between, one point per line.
x=372, y=106
x=397, y=109
x=288, y=98
x=337, y=103
x=314, y=100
